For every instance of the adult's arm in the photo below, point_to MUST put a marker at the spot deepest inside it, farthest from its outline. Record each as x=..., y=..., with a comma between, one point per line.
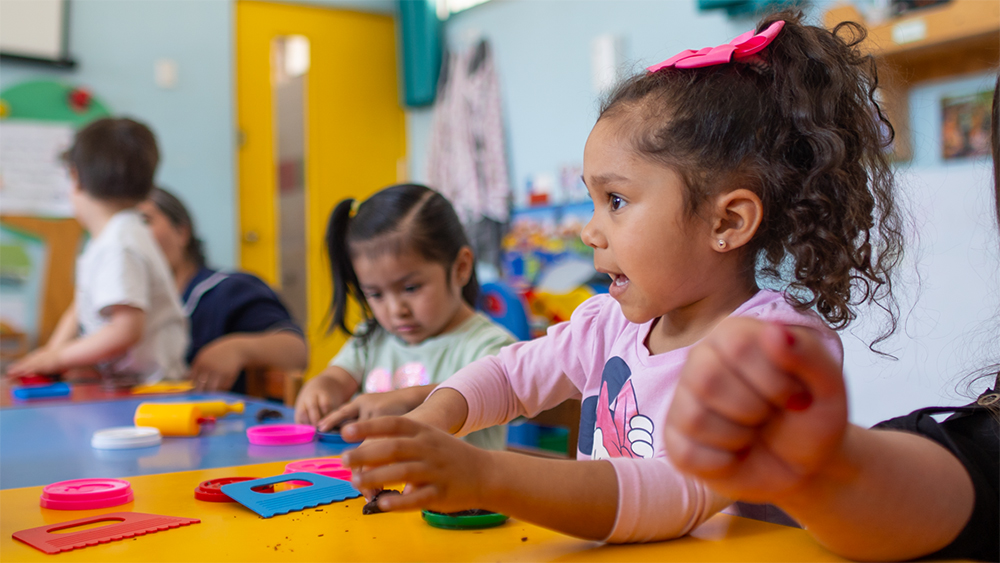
x=887, y=495
x=760, y=414
x=218, y=364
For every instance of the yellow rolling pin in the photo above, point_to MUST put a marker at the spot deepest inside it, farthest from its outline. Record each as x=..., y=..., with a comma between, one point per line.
x=182, y=419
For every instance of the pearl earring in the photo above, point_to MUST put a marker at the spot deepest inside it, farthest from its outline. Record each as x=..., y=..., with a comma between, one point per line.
x=722, y=243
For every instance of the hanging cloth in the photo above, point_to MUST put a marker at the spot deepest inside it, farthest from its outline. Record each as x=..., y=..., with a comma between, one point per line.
x=467, y=158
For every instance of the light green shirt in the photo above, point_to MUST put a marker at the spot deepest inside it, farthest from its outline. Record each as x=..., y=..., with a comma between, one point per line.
x=386, y=363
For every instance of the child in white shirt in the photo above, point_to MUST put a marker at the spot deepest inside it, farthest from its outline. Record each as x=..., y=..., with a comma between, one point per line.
x=126, y=319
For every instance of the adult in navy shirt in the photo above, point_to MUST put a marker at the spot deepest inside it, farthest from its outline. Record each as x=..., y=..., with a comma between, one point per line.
x=237, y=321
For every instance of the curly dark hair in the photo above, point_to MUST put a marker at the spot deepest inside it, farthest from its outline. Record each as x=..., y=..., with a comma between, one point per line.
x=800, y=125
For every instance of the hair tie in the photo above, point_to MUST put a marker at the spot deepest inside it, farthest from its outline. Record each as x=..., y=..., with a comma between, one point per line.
x=354, y=209
x=742, y=49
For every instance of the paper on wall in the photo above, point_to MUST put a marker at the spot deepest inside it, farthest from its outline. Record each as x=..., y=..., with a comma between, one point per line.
x=33, y=180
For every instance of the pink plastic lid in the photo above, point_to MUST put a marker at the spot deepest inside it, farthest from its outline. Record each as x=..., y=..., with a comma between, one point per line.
x=85, y=494
x=331, y=467
x=280, y=434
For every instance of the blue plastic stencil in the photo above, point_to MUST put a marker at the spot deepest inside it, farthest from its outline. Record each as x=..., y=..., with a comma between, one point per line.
x=324, y=490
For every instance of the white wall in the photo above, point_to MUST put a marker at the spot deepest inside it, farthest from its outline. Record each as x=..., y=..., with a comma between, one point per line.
x=949, y=291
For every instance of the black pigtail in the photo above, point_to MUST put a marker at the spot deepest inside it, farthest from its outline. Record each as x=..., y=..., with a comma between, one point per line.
x=345, y=281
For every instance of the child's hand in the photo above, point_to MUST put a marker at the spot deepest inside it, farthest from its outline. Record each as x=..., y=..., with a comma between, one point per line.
x=371, y=405
x=442, y=473
x=217, y=365
x=759, y=410
x=42, y=361
x=316, y=398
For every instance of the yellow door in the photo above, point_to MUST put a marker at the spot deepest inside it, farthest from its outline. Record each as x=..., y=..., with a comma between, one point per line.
x=354, y=132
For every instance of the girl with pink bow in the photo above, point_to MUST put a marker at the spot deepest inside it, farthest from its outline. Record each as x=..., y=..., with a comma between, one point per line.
x=756, y=163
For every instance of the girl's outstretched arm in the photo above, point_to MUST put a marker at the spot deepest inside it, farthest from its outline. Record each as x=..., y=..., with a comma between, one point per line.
x=446, y=474
x=760, y=414
x=445, y=410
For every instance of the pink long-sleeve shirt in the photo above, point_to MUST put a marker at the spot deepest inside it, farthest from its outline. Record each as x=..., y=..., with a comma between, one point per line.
x=599, y=356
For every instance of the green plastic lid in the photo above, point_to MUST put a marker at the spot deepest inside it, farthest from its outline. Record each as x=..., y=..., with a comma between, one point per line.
x=463, y=521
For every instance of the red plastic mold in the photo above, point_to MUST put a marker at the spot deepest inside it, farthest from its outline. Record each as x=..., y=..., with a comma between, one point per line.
x=210, y=491
x=126, y=525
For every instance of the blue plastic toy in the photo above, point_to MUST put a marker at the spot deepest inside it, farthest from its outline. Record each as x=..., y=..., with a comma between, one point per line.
x=49, y=391
x=322, y=490
x=502, y=304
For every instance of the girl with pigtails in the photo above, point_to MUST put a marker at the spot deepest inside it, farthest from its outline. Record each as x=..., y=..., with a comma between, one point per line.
x=756, y=163
x=403, y=256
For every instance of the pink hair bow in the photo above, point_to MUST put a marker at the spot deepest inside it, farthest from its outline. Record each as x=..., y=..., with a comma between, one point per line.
x=739, y=49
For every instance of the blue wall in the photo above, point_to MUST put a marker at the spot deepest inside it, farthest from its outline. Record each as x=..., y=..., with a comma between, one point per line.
x=116, y=44
x=542, y=50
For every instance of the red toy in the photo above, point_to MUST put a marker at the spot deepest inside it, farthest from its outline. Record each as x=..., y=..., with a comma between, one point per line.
x=126, y=525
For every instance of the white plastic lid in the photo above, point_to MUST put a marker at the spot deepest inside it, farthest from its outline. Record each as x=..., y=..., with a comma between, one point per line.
x=126, y=437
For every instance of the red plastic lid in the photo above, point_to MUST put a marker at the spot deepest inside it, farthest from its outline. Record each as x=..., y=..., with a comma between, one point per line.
x=85, y=494
x=331, y=467
x=211, y=490
x=37, y=379
x=281, y=434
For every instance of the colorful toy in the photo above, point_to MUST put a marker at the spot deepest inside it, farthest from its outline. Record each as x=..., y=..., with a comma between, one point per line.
x=128, y=524
x=218, y=408
x=322, y=490
x=211, y=490
x=330, y=467
x=505, y=307
x=163, y=387
x=86, y=494
x=331, y=438
x=280, y=434
x=465, y=520
x=126, y=437
x=172, y=419
x=37, y=379
x=49, y=391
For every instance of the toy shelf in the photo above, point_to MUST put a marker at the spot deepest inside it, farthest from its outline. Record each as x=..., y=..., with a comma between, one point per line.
x=959, y=37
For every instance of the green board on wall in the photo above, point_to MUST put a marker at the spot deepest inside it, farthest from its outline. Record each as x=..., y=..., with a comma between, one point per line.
x=47, y=100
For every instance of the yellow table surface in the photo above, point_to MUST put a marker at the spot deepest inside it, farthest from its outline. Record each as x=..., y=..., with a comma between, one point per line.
x=339, y=532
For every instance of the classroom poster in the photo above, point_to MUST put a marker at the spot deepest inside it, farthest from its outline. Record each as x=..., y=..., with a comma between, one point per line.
x=33, y=180
x=965, y=126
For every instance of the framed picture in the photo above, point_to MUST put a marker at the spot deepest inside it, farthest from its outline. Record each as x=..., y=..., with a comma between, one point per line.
x=965, y=126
